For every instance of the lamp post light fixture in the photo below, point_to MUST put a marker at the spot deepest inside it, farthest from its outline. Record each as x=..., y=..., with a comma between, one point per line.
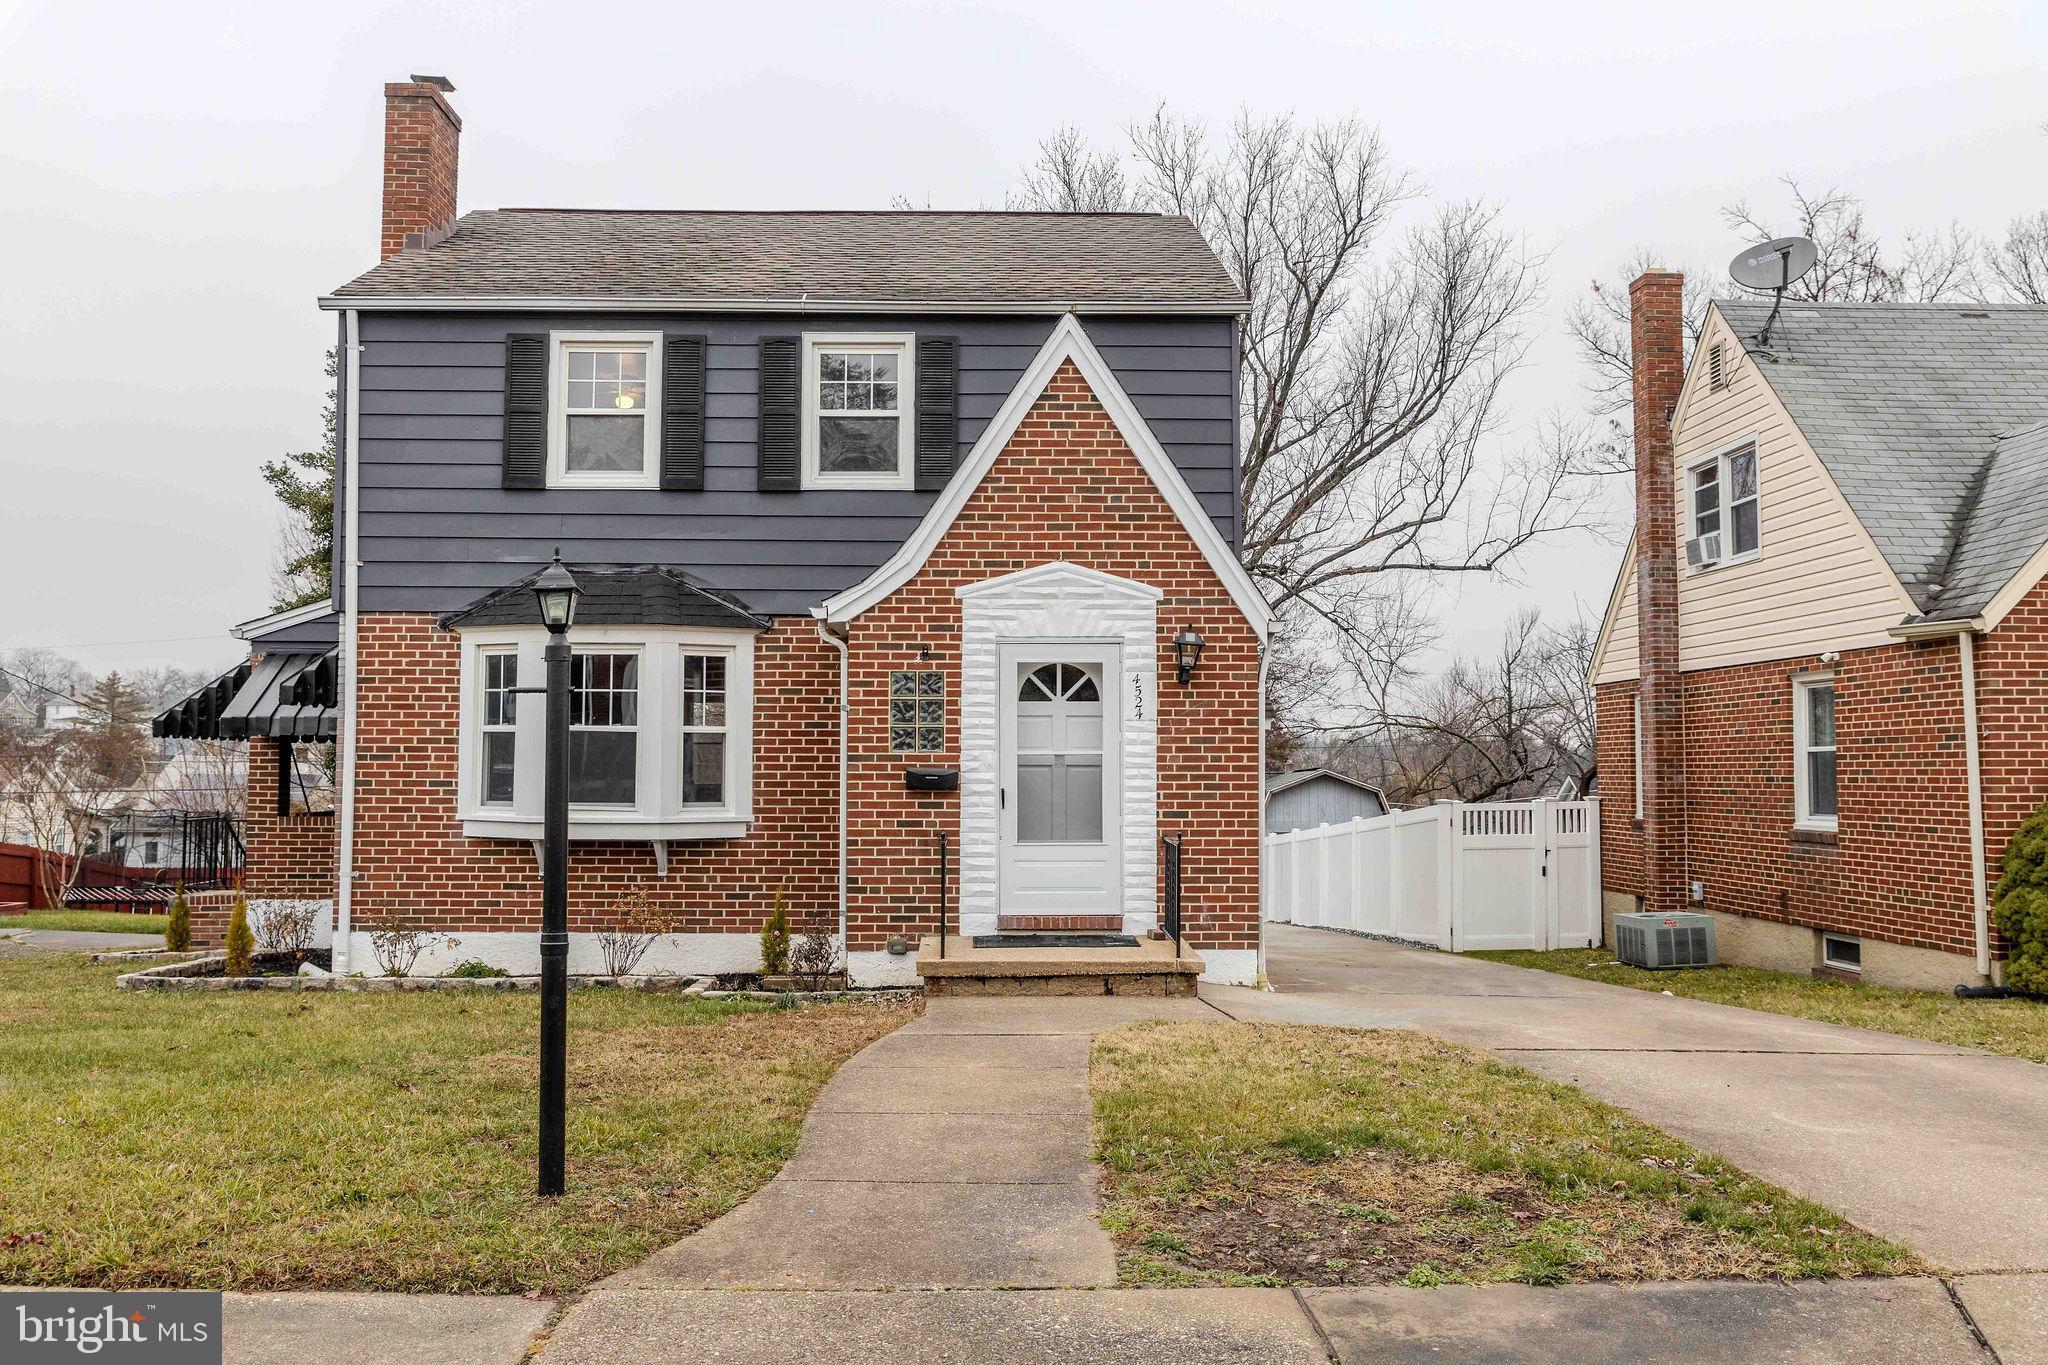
x=556, y=592
x=1187, y=652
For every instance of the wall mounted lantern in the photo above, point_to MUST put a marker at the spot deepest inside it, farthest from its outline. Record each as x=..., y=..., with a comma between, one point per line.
x=1187, y=652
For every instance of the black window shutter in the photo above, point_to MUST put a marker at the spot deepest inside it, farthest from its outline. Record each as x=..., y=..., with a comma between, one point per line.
x=682, y=411
x=938, y=411
x=526, y=410
x=778, y=456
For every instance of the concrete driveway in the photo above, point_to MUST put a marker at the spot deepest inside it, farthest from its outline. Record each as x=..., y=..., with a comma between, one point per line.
x=1936, y=1147
x=44, y=942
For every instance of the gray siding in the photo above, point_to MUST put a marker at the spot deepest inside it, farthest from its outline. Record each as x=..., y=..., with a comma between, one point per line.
x=437, y=530
x=1318, y=801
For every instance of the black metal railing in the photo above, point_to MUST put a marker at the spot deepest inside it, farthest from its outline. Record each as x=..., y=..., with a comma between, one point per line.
x=945, y=858
x=210, y=852
x=1173, y=844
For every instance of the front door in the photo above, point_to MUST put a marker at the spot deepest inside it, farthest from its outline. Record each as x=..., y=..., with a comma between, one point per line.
x=1061, y=836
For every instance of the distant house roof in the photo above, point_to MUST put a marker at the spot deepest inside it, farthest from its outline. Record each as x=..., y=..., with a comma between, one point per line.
x=1930, y=419
x=814, y=261
x=617, y=595
x=1280, y=782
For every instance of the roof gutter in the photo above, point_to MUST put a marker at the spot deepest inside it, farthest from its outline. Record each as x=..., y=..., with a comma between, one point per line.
x=538, y=303
x=1973, y=765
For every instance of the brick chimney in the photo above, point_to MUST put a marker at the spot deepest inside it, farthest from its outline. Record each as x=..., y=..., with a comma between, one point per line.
x=421, y=136
x=1657, y=356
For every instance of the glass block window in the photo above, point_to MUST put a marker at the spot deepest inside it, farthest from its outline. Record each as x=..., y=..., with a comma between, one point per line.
x=917, y=712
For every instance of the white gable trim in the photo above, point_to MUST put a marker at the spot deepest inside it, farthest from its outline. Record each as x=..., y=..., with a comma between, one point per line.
x=1607, y=618
x=279, y=620
x=1069, y=341
x=1059, y=571
x=2018, y=586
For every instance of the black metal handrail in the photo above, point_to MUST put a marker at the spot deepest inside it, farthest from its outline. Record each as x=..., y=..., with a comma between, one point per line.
x=945, y=850
x=1173, y=844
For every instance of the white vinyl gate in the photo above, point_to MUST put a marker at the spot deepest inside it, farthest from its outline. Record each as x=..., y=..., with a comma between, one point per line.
x=1503, y=874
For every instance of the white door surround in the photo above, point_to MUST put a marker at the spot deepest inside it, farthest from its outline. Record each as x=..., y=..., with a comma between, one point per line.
x=1054, y=612
x=1059, y=832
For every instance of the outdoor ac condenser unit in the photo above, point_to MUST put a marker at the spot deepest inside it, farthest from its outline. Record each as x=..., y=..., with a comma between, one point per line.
x=1663, y=941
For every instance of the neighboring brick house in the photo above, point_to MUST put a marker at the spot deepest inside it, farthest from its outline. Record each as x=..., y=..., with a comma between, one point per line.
x=1822, y=681
x=848, y=494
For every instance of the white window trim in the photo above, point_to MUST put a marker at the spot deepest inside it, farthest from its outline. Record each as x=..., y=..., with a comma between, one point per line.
x=906, y=389
x=1689, y=520
x=1802, y=799
x=475, y=700
x=657, y=812
x=1830, y=961
x=559, y=475
x=1639, y=755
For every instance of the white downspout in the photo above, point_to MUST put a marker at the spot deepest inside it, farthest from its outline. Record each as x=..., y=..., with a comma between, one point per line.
x=1972, y=758
x=1260, y=980
x=344, y=876
x=825, y=632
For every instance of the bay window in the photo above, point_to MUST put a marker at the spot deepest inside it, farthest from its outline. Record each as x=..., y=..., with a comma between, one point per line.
x=660, y=733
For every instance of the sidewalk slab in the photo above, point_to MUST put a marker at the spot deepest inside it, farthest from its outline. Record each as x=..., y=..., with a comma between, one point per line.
x=962, y=1327
x=1871, y=1322
x=1039, y=1149
x=955, y=1090
x=850, y=1235
x=2012, y=1313
x=1051, y=1014
x=920, y=1051
x=358, y=1329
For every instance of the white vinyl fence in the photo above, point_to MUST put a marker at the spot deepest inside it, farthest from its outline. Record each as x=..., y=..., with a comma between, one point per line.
x=1505, y=874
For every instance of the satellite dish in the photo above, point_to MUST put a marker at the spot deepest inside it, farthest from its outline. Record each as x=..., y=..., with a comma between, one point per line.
x=1775, y=264
x=1772, y=266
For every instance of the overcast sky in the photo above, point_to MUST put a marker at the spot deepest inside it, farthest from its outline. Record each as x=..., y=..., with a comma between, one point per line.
x=180, y=182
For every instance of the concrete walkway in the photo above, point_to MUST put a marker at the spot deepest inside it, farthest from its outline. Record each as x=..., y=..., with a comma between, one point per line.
x=1936, y=1147
x=952, y=1154
x=45, y=942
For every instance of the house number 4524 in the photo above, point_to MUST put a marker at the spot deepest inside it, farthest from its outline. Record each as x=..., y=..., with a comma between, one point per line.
x=1137, y=697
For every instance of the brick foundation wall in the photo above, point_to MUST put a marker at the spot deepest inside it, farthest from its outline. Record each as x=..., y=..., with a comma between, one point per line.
x=290, y=857
x=1066, y=487
x=1898, y=869
x=412, y=856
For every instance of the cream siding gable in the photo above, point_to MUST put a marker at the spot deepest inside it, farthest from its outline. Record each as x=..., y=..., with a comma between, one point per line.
x=1819, y=582
x=1614, y=652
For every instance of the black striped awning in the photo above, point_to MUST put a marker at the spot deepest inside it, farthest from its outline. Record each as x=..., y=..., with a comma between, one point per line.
x=281, y=696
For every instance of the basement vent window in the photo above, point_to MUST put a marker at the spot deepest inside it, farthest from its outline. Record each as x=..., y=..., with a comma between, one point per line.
x=1842, y=954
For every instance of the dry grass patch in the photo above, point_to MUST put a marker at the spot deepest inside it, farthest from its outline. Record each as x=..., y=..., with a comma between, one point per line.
x=1299, y=1155
x=380, y=1141
x=2015, y=1028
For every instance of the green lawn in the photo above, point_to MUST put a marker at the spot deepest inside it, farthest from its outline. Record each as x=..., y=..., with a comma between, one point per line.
x=85, y=921
x=2017, y=1028
x=1298, y=1155
x=373, y=1141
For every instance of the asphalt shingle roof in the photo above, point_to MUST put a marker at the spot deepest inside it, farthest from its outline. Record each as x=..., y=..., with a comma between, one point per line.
x=738, y=258
x=1906, y=405
x=617, y=595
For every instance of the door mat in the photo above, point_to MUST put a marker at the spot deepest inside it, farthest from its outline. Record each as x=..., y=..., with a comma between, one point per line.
x=1054, y=941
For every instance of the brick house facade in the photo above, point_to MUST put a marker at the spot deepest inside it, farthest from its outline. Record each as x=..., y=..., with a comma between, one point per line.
x=1883, y=880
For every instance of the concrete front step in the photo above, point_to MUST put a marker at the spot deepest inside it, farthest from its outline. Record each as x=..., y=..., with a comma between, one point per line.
x=1150, y=968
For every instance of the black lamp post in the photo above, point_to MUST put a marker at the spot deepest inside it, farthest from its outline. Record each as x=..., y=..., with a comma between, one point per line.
x=1187, y=652
x=557, y=592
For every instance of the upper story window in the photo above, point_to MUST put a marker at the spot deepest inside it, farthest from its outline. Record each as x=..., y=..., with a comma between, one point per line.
x=856, y=411
x=1813, y=728
x=660, y=733
x=1723, y=505
x=604, y=434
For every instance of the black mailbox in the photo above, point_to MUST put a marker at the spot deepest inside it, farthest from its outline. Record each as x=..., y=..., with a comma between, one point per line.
x=932, y=779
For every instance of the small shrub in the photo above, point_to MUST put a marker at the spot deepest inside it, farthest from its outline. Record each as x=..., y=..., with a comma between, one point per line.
x=398, y=942
x=2021, y=906
x=814, y=957
x=630, y=931
x=241, y=943
x=775, y=938
x=287, y=927
x=476, y=967
x=178, y=929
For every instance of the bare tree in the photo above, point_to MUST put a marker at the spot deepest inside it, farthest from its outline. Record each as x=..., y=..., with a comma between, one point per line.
x=1598, y=324
x=2019, y=264
x=1854, y=264
x=1376, y=457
